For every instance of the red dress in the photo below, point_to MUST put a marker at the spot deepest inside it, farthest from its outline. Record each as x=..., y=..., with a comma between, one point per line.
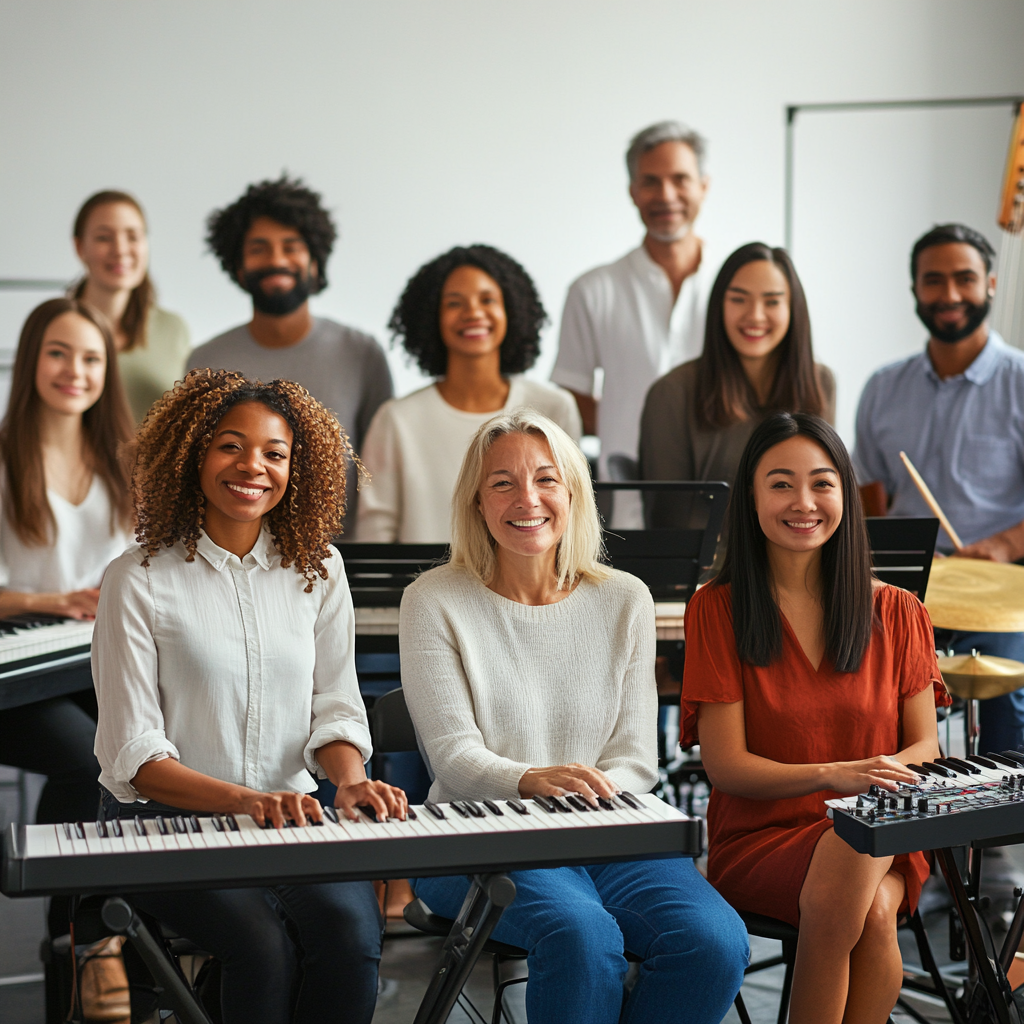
x=759, y=850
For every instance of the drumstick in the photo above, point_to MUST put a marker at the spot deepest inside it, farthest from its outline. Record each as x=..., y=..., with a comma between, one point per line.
x=932, y=503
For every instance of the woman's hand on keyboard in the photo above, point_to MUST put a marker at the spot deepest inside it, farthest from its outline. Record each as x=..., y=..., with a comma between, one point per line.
x=560, y=779
x=386, y=801
x=277, y=808
x=77, y=604
x=850, y=777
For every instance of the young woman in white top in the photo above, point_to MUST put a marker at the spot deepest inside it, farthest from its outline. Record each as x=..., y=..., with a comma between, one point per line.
x=224, y=668
x=64, y=514
x=111, y=239
x=528, y=668
x=472, y=318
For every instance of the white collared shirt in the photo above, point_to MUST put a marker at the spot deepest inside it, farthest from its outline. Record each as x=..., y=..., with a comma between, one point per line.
x=622, y=318
x=225, y=664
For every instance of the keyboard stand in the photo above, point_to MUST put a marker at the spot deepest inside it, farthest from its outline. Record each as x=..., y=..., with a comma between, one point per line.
x=482, y=908
x=485, y=902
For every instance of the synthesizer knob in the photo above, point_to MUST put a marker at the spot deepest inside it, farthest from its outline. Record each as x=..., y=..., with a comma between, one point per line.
x=908, y=802
x=874, y=790
x=922, y=805
x=863, y=800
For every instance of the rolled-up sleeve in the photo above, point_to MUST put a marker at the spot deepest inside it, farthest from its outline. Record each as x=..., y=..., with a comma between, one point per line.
x=130, y=731
x=338, y=712
x=577, y=347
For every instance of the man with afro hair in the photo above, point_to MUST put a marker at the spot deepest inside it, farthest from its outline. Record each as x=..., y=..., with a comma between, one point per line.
x=274, y=243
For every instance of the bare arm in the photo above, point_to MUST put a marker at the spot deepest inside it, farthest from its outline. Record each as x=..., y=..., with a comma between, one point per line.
x=588, y=411
x=1005, y=546
x=734, y=770
x=78, y=604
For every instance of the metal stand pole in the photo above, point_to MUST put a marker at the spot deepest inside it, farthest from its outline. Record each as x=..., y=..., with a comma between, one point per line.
x=972, y=729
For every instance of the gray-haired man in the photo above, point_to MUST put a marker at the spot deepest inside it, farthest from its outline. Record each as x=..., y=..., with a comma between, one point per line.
x=637, y=318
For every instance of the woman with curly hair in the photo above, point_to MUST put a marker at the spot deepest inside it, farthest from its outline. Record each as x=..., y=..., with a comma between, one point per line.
x=224, y=668
x=472, y=318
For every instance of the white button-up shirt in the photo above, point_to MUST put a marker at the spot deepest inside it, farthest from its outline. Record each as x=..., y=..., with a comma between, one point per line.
x=623, y=319
x=225, y=664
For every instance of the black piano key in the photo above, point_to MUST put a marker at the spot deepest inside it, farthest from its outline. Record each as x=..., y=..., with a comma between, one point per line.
x=140, y=825
x=410, y=814
x=629, y=800
x=985, y=762
x=605, y=804
x=79, y=830
x=232, y=822
x=67, y=829
x=962, y=767
x=179, y=825
x=161, y=825
x=331, y=814
x=434, y=810
x=101, y=828
x=1016, y=756
x=518, y=806
x=458, y=809
x=474, y=808
x=938, y=769
x=193, y=823
x=1003, y=762
x=917, y=768
x=560, y=804
x=575, y=800
x=115, y=826
x=547, y=803
x=494, y=808
x=218, y=822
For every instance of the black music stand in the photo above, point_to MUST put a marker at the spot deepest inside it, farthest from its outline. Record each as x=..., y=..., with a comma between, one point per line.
x=902, y=549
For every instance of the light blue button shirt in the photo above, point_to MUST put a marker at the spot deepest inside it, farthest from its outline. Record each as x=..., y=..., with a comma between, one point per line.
x=964, y=434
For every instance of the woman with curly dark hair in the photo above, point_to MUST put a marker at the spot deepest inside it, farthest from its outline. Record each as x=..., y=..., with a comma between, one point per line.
x=472, y=318
x=224, y=669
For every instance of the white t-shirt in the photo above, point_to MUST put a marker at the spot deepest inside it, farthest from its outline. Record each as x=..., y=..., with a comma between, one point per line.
x=414, y=450
x=83, y=547
x=496, y=687
x=225, y=664
x=621, y=318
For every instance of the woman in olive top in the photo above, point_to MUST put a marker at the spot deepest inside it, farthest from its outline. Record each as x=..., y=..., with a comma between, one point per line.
x=757, y=359
x=152, y=344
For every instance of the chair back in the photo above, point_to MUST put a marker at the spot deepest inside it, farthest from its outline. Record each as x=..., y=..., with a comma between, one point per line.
x=622, y=467
x=902, y=549
x=378, y=573
x=391, y=725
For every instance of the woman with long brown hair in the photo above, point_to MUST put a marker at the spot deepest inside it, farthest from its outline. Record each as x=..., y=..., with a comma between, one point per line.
x=111, y=239
x=64, y=515
x=757, y=359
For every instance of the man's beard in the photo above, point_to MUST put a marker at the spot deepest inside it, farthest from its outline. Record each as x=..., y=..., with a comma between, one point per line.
x=976, y=315
x=276, y=303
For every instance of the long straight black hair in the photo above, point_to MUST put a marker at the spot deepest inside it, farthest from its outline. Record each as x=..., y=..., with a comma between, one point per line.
x=724, y=394
x=846, y=587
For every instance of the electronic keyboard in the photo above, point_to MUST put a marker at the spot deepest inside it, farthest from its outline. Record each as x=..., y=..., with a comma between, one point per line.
x=222, y=851
x=34, y=647
x=956, y=801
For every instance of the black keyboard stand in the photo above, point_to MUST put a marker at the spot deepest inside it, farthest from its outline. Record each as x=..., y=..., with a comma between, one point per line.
x=482, y=908
x=485, y=902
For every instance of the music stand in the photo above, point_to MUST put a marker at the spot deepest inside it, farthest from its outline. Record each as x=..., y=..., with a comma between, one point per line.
x=902, y=549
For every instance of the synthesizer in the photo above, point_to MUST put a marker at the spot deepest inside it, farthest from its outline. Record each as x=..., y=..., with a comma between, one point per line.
x=956, y=801
x=221, y=851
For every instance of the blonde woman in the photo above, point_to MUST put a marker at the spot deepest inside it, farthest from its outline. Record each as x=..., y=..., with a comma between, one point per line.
x=529, y=670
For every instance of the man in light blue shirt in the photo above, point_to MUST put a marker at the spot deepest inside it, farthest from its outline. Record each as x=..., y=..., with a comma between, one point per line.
x=957, y=410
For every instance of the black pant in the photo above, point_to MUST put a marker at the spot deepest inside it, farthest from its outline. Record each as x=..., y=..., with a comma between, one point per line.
x=305, y=954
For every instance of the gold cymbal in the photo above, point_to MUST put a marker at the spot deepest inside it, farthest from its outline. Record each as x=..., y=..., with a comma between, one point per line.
x=975, y=596
x=981, y=677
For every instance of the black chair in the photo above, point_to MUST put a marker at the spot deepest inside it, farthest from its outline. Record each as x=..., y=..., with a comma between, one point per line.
x=902, y=549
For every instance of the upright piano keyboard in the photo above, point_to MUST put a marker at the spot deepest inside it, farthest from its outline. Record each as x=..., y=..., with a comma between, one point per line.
x=40, y=657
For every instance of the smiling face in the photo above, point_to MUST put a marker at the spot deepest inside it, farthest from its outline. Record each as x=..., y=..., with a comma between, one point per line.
x=277, y=268
x=472, y=317
x=756, y=309
x=114, y=247
x=798, y=495
x=953, y=290
x=72, y=367
x=522, y=496
x=668, y=190
x=245, y=472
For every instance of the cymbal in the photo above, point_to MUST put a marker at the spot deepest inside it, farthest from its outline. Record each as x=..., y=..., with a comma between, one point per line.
x=980, y=676
x=975, y=596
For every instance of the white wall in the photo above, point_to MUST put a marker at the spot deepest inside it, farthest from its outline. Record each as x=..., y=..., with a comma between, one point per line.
x=430, y=124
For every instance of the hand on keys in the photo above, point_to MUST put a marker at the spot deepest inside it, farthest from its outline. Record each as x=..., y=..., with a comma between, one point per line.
x=380, y=798
x=560, y=779
x=279, y=808
x=850, y=777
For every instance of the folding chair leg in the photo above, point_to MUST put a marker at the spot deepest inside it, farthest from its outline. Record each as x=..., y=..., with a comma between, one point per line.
x=741, y=1010
x=789, y=952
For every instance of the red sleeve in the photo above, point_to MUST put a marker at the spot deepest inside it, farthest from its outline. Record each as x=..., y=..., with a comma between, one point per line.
x=913, y=641
x=712, y=673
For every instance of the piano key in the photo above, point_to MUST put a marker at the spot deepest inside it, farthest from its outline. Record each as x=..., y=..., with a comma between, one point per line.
x=434, y=809
x=985, y=762
x=546, y=803
x=494, y=808
x=1014, y=755
x=518, y=806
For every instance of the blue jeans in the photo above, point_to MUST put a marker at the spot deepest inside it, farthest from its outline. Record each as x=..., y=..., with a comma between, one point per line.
x=1001, y=719
x=290, y=954
x=576, y=922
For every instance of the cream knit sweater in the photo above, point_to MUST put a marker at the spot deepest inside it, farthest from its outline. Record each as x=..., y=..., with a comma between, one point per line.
x=496, y=687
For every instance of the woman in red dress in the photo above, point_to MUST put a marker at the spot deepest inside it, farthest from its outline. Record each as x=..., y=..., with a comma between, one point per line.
x=808, y=679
